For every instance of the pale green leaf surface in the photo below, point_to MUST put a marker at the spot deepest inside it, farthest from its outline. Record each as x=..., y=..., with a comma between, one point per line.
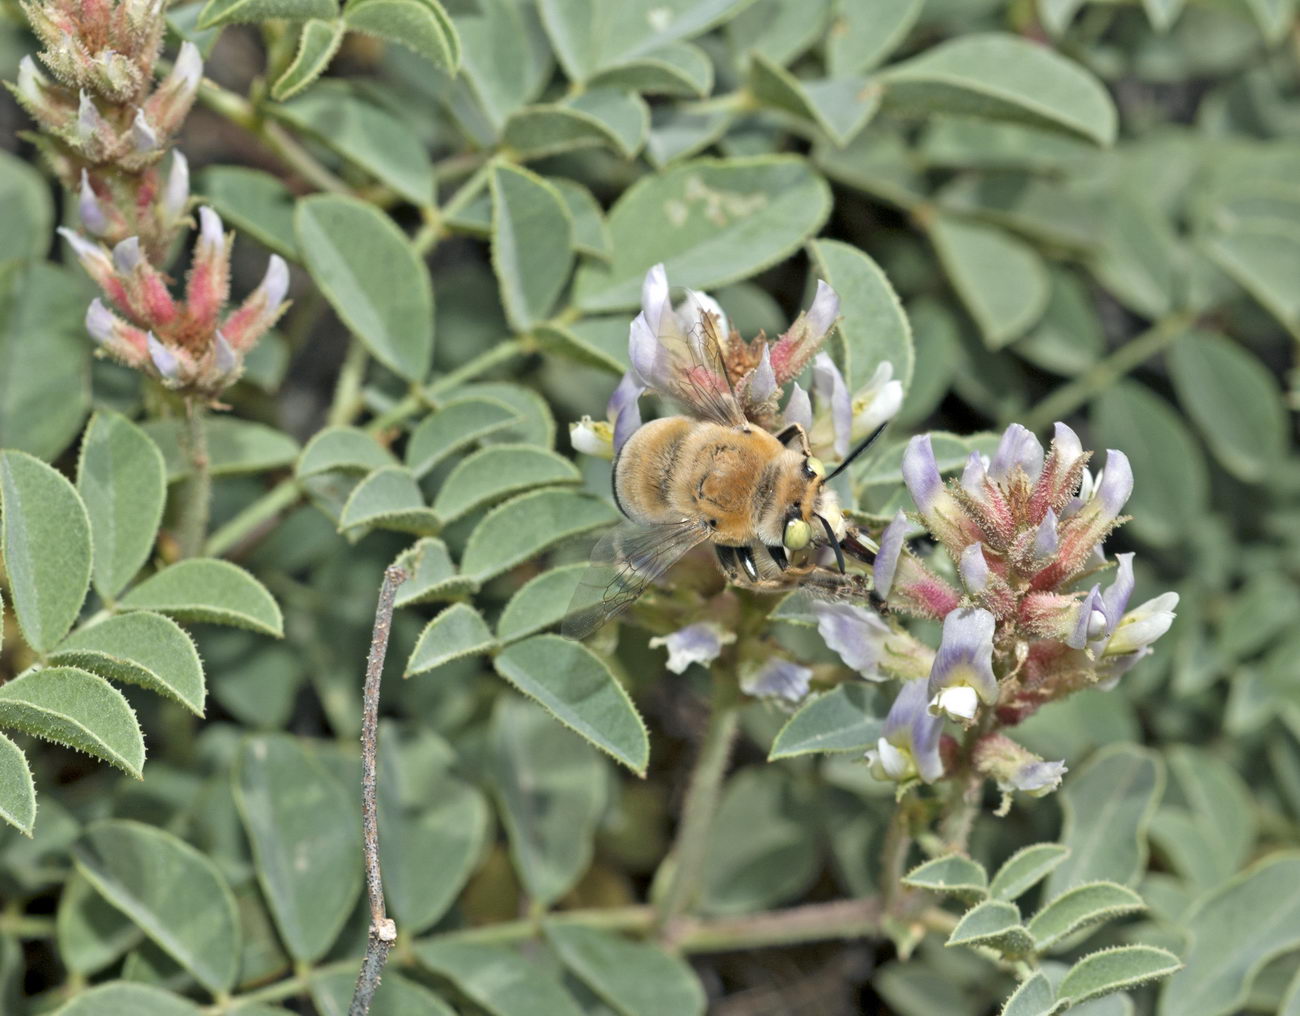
x=346, y=448
x=710, y=222
x=520, y=528
x=122, y=481
x=993, y=923
x=122, y=998
x=780, y=31
x=498, y=979
x=635, y=978
x=675, y=69
x=254, y=202
x=862, y=35
x=575, y=686
x=141, y=648
x=606, y=117
x=174, y=893
x=496, y=471
x=25, y=208
x=1081, y=906
x=372, y=278
x=457, y=632
x=317, y=44
x=396, y=996
x=1110, y=970
x=205, y=589
x=1025, y=869
x=954, y=874
x=433, y=575
x=839, y=720
x=542, y=601
x=590, y=235
x=227, y=12
x=532, y=243
x=422, y=26
x=80, y=710
x=17, y=789
x=460, y=422
x=1034, y=997
x=308, y=863
x=234, y=446
x=92, y=933
x=389, y=498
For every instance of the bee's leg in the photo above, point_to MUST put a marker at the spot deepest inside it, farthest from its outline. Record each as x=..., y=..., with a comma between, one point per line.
x=854, y=547
x=746, y=558
x=727, y=561
x=777, y=554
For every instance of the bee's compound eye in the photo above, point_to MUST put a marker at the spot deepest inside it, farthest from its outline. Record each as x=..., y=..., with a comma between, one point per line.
x=798, y=534
x=815, y=466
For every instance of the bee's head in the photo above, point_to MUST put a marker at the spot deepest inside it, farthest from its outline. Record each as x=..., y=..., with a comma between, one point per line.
x=816, y=512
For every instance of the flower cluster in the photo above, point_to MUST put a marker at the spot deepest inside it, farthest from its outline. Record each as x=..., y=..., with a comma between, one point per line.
x=1024, y=531
x=757, y=371
x=106, y=126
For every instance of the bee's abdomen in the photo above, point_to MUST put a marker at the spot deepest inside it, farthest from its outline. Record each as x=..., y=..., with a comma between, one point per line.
x=647, y=467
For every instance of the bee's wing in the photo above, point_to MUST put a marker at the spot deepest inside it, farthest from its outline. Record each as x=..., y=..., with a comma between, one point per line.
x=626, y=560
x=689, y=368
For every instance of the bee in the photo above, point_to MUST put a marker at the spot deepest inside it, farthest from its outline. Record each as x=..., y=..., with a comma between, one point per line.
x=714, y=476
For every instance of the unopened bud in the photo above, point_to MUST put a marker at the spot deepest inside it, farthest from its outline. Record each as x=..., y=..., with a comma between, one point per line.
x=188, y=69
x=164, y=360
x=224, y=358
x=211, y=236
x=99, y=322
x=126, y=255
x=176, y=193
x=275, y=284
x=31, y=82
x=89, y=123
x=143, y=137
x=94, y=259
x=92, y=212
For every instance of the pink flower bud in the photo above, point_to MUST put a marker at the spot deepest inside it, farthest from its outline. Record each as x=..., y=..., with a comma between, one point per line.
x=94, y=259
x=91, y=211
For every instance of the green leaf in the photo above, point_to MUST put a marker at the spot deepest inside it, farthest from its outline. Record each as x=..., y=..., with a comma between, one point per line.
x=677, y=133
x=840, y=720
x=389, y=498
x=459, y=423
x=45, y=385
x=863, y=35
x=174, y=893
x=950, y=454
x=457, y=632
x=604, y=117
x=634, y=978
x=550, y=787
x=1171, y=480
x=422, y=26
x=92, y=933
x=493, y=472
x=872, y=327
x=308, y=862
x=1273, y=16
x=764, y=847
x=234, y=446
x=534, y=423
x=676, y=69
x=1107, y=805
x=1034, y=997
x=1025, y=869
x=349, y=449
x=780, y=31
x=544, y=600
x=228, y=12
x=1234, y=400
x=25, y=208
x=1215, y=830
x=954, y=874
x=45, y=535
x=433, y=575
x=838, y=107
x=1115, y=969
x=123, y=483
x=498, y=979
x=428, y=854
x=317, y=45
x=710, y=222
x=590, y=235
x=578, y=689
x=1138, y=256
x=523, y=527
x=995, y=924
x=396, y=995
x=1078, y=907
x=205, y=589
x=121, y=998
x=71, y=707
x=1069, y=337
x=17, y=790
x=368, y=271
x=532, y=243
x=1001, y=281
x=365, y=133
x=1163, y=13
x=1003, y=77
x=256, y=203
x=139, y=648
x=1263, y=259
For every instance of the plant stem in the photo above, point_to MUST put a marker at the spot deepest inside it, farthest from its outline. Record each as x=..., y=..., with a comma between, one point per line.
x=196, y=498
x=893, y=856
x=347, y=389
x=701, y=805
x=260, y=512
x=382, y=929
x=1068, y=398
x=816, y=922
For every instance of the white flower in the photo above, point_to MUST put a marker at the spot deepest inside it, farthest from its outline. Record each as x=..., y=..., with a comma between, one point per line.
x=592, y=437
x=876, y=402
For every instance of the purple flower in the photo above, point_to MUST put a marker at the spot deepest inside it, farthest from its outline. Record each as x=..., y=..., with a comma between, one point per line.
x=1068, y=447
x=164, y=360
x=762, y=382
x=624, y=410
x=834, y=421
x=962, y=675
x=799, y=408
x=974, y=568
x=891, y=546
x=1114, y=601
x=1018, y=447
x=1035, y=778
x=1046, y=540
x=921, y=473
x=1092, y=620
x=823, y=312
x=92, y=212
x=855, y=633
x=974, y=475
x=909, y=748
x=701, y=642
x=1114, y=485
x=779, y=679
x=1143, y=625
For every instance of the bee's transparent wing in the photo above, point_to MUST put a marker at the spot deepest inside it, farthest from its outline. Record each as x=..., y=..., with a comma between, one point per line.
x=626, y=560
x=689, y=369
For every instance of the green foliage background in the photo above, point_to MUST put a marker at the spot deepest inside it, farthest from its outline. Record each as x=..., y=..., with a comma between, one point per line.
x=1089, y=211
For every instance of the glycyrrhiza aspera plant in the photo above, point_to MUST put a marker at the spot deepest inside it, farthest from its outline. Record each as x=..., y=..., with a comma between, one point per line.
x=816, y=672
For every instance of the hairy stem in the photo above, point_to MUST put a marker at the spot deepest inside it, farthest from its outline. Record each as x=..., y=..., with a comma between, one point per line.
x=893, y=856
x=687, y=856
x=196, y=497
x=1068, y=398
x=347, y=389
x=382, y=929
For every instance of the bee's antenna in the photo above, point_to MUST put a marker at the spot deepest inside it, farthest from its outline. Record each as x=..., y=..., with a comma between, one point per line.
x=835, y=544
x=862, y=447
